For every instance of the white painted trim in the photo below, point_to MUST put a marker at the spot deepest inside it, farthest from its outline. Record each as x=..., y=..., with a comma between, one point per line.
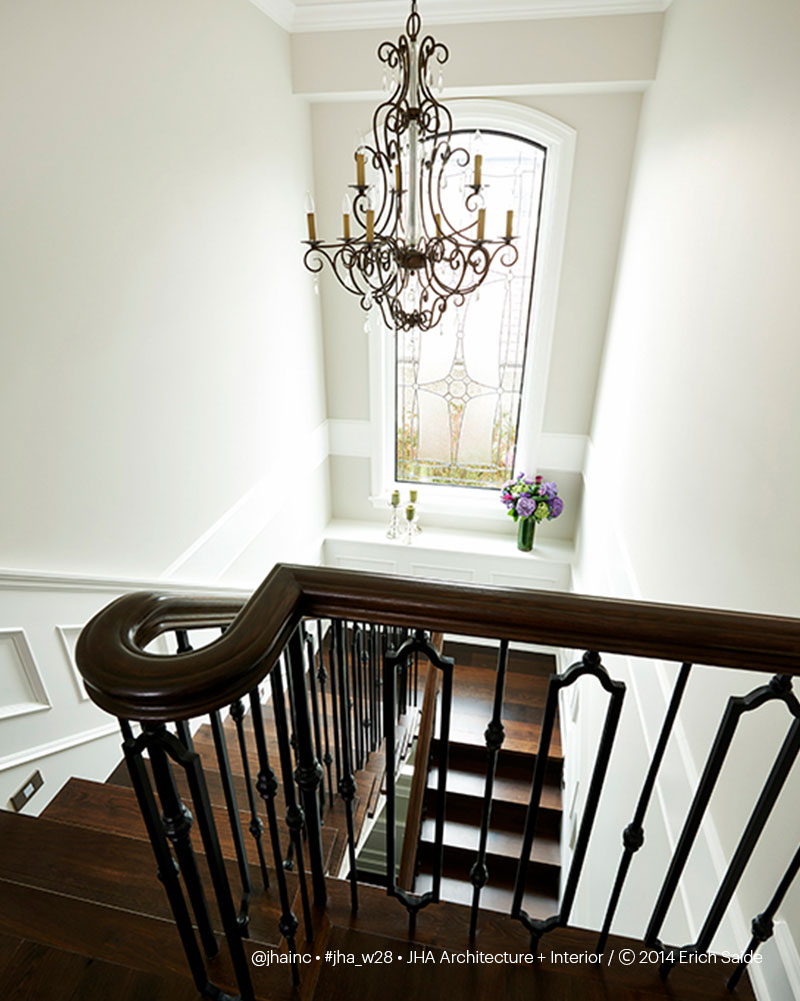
x=56, y=746
x=33, y=676
x=511, y=90
x=349, y=16
x=83, y=695
x=790, y=958
x=43, y=580
x=282, y=12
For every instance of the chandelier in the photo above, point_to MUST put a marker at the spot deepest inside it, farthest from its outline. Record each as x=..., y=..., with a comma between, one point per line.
x=404, y=246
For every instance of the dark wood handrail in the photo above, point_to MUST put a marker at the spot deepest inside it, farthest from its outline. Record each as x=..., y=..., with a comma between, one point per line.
x=125, y=680
x=419, y=783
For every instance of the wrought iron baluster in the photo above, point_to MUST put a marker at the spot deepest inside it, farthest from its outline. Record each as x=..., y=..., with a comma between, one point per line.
x=358, y=717
x=224, y=765
x=190, y=762
x=312, y=689
x=166, y=866
x=294, y=813
x=494, y=735
x=322, y=677
x=267, y=786
x=763, y=926
x=177, y=820
x=347, y=783
x=255, y=827
x=333, y=660
x=590, y=665
x=778, y=688
x=633, y=835
x=758, y=818
x=308, y=773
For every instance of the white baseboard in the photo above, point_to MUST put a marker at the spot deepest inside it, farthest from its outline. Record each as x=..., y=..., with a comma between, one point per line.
x=50, y=747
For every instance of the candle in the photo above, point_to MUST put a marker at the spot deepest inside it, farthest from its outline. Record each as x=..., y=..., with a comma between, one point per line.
x=397, y=185
x=360, y=169
x=509, y=223
x=476, y=180
x=438, y=224
x=310, y=220
x=410, y=512
x=370, y=225
x=412, y=496
x=481, y=223
x=346, y=217
x=395, y=498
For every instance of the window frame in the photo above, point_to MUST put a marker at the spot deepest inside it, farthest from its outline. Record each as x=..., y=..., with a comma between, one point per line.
x=558, y=139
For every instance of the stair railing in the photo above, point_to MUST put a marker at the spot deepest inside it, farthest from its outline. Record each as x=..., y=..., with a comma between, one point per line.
x=379, y=627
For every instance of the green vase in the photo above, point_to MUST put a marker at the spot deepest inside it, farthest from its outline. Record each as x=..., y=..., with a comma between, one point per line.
x=525, y=528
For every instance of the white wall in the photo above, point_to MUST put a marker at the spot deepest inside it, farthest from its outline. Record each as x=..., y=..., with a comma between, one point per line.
x=160, y=346
x=694, y=476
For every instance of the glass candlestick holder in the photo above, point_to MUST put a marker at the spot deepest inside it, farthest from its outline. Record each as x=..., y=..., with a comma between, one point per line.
x=410, y=533
x=395, y=528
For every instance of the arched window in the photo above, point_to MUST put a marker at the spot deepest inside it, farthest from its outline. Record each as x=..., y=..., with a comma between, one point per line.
x=461, y=406
x=458, y=389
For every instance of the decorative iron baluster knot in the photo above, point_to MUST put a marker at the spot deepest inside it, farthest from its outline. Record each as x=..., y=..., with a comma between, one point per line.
x=267, y=784
x=591, y=658
x=295, y=818
x=175, y=866
x=763, y=927
x=494, y=734
x=479, y=875
x=420, y=635
x=177, y=827
x=347, y=787
x=328, y=758
x=256, y=827
x=633, y=838
x=308, y=777
x=237, y=711
x=781, y=684
x=287, y=925
x=322, y=675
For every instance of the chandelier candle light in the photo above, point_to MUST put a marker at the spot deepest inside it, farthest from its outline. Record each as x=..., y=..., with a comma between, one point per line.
x=415, y=250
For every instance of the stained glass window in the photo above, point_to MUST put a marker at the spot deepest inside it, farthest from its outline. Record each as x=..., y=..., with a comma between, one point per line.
x=458, y=388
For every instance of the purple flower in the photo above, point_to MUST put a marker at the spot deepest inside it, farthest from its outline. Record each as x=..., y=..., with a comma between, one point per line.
x=556, y=507
x=526, y=506
x=548, y=490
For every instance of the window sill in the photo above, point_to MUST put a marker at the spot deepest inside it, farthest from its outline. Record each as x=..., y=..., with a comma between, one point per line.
x=476, y=557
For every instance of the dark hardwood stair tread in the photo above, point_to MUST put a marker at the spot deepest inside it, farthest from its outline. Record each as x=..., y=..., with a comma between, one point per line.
x=137, y=941
x=504, y=844
x=513, y=791
x=42, y=973
x=112, y=870
x=115, y=809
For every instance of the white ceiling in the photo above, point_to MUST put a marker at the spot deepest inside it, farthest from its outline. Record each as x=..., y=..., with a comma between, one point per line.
x=333, y=15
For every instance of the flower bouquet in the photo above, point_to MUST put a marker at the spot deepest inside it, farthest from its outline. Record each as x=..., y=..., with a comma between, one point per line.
x=530, y=501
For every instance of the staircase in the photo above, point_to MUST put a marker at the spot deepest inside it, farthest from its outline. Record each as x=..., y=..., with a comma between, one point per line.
x=523, y=705
x=83, y=914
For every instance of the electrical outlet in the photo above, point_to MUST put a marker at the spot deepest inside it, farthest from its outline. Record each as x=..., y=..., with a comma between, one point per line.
x=20, y=798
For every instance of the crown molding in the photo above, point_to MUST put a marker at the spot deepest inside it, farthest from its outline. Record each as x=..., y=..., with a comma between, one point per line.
x=355, y=14
x=282, y=12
